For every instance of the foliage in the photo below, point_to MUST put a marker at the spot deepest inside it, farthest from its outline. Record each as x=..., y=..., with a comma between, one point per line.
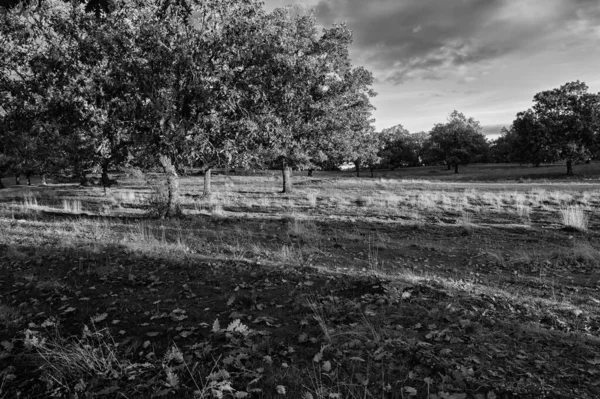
x=401, y=148
x=314, y=98
x=564, y=123
x=457, y=142
x=209, y=84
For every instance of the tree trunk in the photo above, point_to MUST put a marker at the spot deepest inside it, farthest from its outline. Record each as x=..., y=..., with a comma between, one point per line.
x=172, y=208
x=105, y=179
x=18, y=179
x=372, y=173
x=28, y=177
x=456, y=167
x=287, y=179
x=207, y=182
x=449, y=166
x=357, y=167
x=44, y=182
x=83, y=180
x=1, y=185
x=310, y=172
x=569, y=167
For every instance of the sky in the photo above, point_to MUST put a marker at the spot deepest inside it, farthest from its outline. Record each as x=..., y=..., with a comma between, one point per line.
x=484, y=58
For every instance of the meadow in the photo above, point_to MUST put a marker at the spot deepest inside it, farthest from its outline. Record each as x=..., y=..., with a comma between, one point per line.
x=417, y=283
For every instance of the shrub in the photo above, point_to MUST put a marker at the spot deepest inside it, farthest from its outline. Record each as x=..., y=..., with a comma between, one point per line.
x=158, y=200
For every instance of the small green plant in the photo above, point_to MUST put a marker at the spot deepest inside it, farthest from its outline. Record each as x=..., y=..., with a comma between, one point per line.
x=573, y=218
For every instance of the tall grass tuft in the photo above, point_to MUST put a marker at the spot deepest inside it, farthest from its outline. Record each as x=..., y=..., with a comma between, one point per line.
x=64, y=361
x=72, y=206
x=311, y=197
x=573, y=218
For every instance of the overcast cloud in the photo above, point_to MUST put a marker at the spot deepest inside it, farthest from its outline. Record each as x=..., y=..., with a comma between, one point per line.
x=486, y=58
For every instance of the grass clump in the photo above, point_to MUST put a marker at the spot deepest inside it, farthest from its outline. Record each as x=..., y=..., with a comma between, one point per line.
x=573, y=218
x=63, y=361
x=72, y=206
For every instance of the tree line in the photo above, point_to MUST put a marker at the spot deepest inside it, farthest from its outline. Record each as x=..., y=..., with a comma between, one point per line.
x=563, y=125
x=87, y=88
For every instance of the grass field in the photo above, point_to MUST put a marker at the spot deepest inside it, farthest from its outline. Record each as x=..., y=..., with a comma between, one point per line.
x=418, y=283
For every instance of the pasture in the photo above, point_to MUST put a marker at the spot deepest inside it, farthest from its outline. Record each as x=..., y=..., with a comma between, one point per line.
x=418, y=283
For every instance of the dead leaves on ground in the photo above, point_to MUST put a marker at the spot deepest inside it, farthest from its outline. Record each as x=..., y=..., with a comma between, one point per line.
x=241, y=330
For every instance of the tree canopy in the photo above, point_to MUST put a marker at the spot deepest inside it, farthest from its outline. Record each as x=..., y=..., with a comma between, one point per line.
x=563, y=124
x=456, y=142
x=171, y=84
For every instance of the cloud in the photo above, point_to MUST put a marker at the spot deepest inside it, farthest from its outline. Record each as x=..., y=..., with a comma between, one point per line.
x=403, y=40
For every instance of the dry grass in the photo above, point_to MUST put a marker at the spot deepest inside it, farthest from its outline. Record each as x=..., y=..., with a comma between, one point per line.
x=573, y=218
x=72, y=206
x=289, y=255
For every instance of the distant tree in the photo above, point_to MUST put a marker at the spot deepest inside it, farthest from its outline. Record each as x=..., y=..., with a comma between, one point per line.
x=569, y=117
x=530, y=141
x=457, y=142
x=502, y=149
x=401, y=148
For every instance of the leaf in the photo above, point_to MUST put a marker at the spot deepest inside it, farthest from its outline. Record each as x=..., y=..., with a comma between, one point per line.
x=361, y=379
x=99, y=317
x=281, y=389
x=307, y=395
x=318, y=357
x=238, y=326
x=410, y=391
x=152, y=334
x=231, y=300
x=172, y=378
x=108, y=391
x=216, y=327
x=326, y=366
x=7, y=346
